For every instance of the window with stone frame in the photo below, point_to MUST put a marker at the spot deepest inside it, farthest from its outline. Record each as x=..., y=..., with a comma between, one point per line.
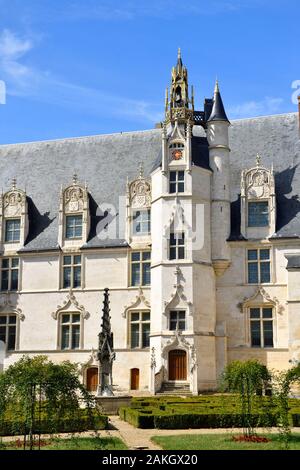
x=139, y=328
x=259, y=266
x=8, y=331
x=177, y=320
x=258, y=214
x=12, y=230
x=141, y=222
x=9, y=274
x=73, y=226
x=261, y=327
x=70, y=331
x=177, y=246
x=140, y=268
x=72, y=271
x=176, y=182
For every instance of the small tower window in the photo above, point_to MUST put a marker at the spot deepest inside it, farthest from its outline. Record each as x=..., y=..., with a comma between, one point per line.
x=176, y=182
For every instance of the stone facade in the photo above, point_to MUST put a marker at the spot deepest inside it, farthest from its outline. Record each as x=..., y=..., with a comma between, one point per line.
x=217, y=226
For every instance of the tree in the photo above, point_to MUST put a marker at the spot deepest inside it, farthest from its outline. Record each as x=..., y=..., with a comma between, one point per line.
x=248, y=379
x=36, y=387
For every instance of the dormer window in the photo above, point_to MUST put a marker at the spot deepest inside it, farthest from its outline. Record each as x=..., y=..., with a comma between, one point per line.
x=258, y=202
x=74, y=216
x=258, y=214
x=73, y=226
x=12, y=230
x=138, y=210
x=141, y=222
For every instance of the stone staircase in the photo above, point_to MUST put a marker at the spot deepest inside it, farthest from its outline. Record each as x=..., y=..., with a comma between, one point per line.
x=175, y=389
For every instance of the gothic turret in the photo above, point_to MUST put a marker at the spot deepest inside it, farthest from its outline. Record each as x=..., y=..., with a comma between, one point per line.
x=179, y=106
x=218, y=139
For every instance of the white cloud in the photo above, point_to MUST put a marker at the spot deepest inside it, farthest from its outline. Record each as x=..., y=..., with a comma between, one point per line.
x=266, y=106
x=30, y=82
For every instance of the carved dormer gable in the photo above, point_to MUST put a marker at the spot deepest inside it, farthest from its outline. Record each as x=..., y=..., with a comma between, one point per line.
x=74, y=202
x=14, y=218
x=138, y=208
x=258, y=202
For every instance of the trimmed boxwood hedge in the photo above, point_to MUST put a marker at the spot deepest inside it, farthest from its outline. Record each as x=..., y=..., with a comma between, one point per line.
x=82, y=422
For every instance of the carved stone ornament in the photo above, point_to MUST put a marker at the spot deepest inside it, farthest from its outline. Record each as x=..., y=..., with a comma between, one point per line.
x=69, y=304
x=92, y=361
x=260, y=297
x=14, y=203
x=257, y=183
x=139, y=300
x=152, y=359
x=140, y=193
x=8, y=308
x=74, y=199
x=177, y=295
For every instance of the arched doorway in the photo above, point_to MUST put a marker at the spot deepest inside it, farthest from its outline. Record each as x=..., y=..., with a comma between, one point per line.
x=92, y=379
x=177, y=365
x=134, y=379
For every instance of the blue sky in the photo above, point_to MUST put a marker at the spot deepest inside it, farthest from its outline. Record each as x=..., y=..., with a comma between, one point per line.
x=81, y=67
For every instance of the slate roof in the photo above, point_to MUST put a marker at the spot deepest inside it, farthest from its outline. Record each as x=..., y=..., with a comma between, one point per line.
x=105, y=161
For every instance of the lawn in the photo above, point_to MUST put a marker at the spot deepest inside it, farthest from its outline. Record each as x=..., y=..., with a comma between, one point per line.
x=75, y=443
x=221, y=442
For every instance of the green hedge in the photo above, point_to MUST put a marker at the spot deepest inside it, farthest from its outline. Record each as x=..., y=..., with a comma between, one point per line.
x=10, y=426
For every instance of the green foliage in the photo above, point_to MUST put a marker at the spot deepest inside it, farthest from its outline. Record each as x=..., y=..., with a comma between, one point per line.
x=37, y=394
x=248, y=379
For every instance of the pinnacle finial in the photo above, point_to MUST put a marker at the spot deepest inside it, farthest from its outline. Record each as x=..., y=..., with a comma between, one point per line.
x=179, y=53
x=14, y=183
x=217, y=90
x=258, y=159
x=141, y=170
x=75, y=178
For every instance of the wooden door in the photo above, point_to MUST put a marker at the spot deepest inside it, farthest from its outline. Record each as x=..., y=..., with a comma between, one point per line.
x=177, y=365
x=92, y=379
x=134, y=379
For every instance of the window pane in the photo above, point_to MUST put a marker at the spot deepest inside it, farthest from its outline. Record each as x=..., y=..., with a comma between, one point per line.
x=145, y=335
x=5, y=263
x=3, y=334
x=65, y=318
x=76, y=318
x=255, y=334
x=146, y=274
x=135, y=316
x=73, y=226
x=258, y=214
x=15, y=262
x=181, y=187
x=172, y=175
x=11, y=341
x=135, y=335
x=135, y=274
x=173, y=325
x=172, y=188
x=252, y=273
x=181, y=315
x=77, y=276
x=267, y=312
x=173, y=315
x=12, y=319
x=181, y=252
x=254, y=312
x=75, y=337
x=4, y=280
x=181, y=325
x=67, y=260
x=265, y=272
x=67, y=278
x=264, y=254
x=146, y=316
x=12, y=230
x=172, y=253
x=252, y=255
x=173, y=239
x=180, y=175
x=3, y=320
x=146, y=255
x=77, y=259
x=14, y=279
x=135, y=256
x=268, y=334
x=65, y=337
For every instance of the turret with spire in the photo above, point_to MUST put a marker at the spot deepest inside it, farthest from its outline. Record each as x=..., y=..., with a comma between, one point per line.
x=218, y=112
x=179, y=106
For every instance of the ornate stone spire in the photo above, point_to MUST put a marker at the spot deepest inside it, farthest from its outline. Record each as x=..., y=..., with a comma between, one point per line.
x=179, y=106
x=258, y=160
x=105, y=355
